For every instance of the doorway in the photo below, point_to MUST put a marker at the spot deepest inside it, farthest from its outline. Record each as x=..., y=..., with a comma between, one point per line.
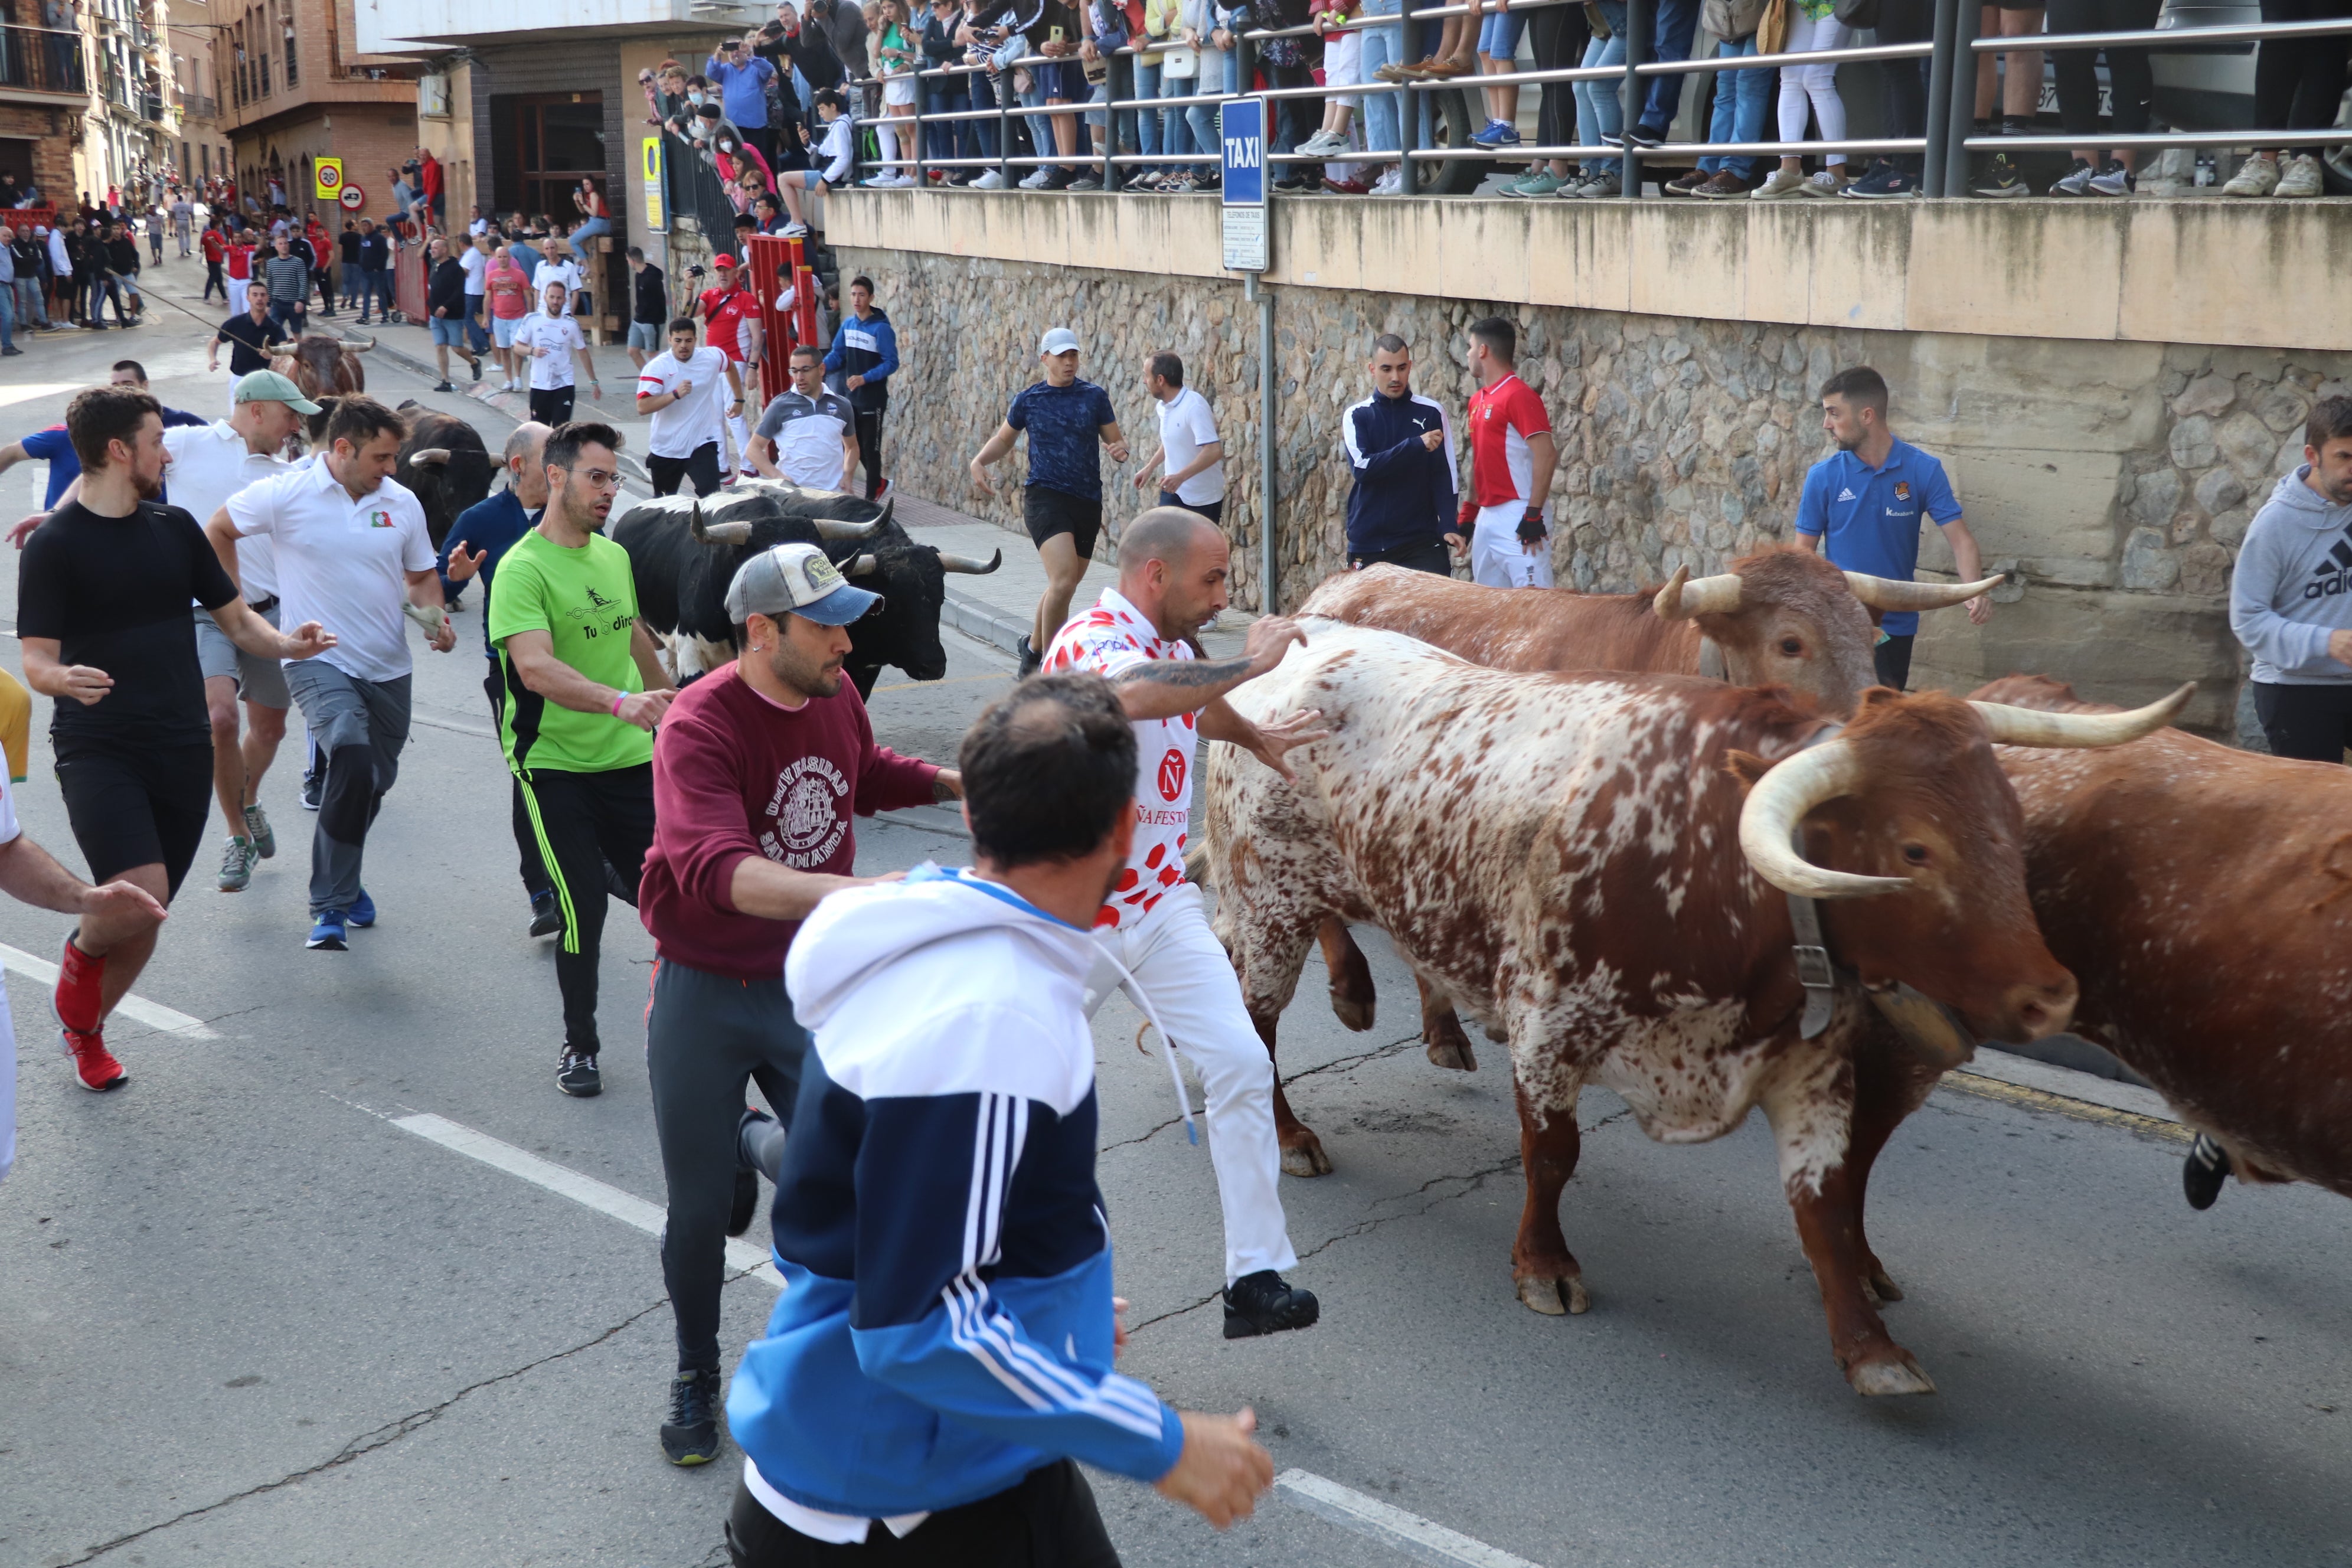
x=557, y=138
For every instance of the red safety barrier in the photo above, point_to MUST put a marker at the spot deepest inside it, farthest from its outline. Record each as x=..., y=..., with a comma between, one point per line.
x=777, y=265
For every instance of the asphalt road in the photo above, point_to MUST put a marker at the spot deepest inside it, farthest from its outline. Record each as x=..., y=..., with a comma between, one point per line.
x=246, y=1316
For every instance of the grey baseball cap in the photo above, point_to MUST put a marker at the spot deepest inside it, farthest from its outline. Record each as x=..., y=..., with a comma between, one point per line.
x=795, y=579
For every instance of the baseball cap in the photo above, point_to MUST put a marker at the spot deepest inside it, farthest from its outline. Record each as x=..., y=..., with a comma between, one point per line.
x=723, y=261
x=795, y=578
x=1058, y=340
x=269, y=386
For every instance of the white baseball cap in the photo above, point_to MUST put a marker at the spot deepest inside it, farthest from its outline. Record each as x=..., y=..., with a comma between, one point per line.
x=1058, y=340
x=795, y=579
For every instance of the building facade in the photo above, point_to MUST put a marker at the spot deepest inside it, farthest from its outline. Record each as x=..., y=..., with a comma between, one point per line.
x=295, y=89
x=200, y=147
x=43, y=96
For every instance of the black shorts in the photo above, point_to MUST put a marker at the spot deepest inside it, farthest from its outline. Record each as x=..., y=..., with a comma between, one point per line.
x=136, y=807
x=1215, y=511
x=702, y=466
x=1892, y=658
x=1045, y=1520
x=1432, y=557
x=1049, y=512
x=2311, y=723
x=551, y=404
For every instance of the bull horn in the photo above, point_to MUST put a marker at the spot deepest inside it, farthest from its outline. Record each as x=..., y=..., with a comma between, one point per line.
x=860, y=566
x=718, y=535
x=834, y=531
x=971, y=565
x=428, y=457
x=2032, y=727
x=1890, y=594
x=359, y=348
x=1684, y=596
x=1779, y=802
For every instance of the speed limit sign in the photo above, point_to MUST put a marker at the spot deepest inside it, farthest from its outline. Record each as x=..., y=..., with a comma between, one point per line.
x=352, y=198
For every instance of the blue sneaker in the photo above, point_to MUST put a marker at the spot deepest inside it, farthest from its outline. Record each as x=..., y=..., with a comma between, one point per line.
x=362, y=913
x=1495, y=133
x=327, y=933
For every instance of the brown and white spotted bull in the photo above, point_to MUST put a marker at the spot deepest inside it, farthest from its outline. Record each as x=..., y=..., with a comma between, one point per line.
x=324, y=366
x=1782, y=616
x=1600, y=867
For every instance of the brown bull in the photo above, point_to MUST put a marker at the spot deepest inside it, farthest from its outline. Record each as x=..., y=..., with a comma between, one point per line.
x=324, y=366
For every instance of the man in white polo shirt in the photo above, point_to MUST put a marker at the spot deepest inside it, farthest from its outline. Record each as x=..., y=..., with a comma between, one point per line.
x=352, y=554
x=1173, y=567
x=808, y=435
x=1191, y=456
x=687, y=396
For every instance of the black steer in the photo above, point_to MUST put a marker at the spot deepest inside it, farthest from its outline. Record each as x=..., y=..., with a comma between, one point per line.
x=445, y=464
x=684, y=553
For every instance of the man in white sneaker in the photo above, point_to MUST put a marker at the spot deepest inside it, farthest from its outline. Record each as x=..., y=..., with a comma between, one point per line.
x=1174, y=568
x=688, y=394
x=1512, y=457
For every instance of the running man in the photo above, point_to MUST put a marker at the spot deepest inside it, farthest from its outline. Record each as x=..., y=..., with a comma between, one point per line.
x=864, y=354
x=808, y=435
x=585, y=694
x=1173, y=568
x=688, y=395
x=102, y=610
x=1512, y=457
x=733, y=312
x=757, y=771
x=1063, y=504
x=352, y=551
x=549, y=339
x=250, y=337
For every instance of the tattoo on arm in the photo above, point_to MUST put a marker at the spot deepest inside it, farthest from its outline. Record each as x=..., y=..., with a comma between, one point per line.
x=1191, y=672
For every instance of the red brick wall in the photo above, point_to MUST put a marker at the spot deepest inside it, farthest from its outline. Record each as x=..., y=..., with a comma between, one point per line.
x=370, y=138
x=52, y=151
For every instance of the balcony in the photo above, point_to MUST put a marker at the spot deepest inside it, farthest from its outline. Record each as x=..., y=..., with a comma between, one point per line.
x=195, y=108
x=36, y=60
x=150, y=108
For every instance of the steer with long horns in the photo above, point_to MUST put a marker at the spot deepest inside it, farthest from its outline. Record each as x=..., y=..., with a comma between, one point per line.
x=1605, y=870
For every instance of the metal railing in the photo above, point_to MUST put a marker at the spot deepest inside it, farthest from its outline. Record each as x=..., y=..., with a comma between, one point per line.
x=1943, y=149
x=39, y=59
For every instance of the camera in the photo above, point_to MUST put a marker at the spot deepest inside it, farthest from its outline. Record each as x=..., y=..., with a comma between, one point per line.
x=694, y=272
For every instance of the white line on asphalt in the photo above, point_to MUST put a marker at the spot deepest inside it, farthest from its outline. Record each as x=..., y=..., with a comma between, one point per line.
x=1409, y=1533
x=564, y=1182
x=154, y=1014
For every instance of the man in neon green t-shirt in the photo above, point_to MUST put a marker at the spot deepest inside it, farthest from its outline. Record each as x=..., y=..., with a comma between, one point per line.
x=584, y=695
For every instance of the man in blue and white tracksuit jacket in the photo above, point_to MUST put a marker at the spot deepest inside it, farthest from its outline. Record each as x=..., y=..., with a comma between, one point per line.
x=1400, y=447
x=864, y=356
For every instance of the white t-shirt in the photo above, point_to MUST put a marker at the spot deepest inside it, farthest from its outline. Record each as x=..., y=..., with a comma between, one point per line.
x=342, y=562
x=8, y=832
x=559, y=335
x=1185, y=426
x=210, y=464
x=1110, y=639
x=564, y=272
x=475, y=263
x=696, y=419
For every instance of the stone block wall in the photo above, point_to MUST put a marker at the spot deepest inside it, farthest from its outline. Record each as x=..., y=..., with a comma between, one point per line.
x=2116, y=479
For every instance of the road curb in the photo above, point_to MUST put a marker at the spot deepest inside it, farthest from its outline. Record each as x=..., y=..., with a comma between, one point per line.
x=977, y=621
x=2086, y=1096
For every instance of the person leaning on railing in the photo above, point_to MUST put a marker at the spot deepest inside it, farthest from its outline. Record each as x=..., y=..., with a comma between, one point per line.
x=1600, y=121
x=2298, y=85
x=951, y=94
x=1740, y=100
x=1810, y=92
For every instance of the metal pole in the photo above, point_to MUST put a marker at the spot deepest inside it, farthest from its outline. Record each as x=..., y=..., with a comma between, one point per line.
x=1637, y=39
x=1409, y=103
x=1112, y=94
x=1961, y=113
x=1269, y=485
x=1942, y=67
x=922, y=87
x=1001, y=84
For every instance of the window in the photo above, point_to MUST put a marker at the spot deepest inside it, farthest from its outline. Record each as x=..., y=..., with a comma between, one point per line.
x=557, y=138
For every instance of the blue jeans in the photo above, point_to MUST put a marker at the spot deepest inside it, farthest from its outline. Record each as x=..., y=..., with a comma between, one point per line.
x=1150, y=130
x=1598, y=111
x=1670, y=39
x=946, y=95
x=1382, y=46
x=1176, y=136
x=8, y=317
x=28, y=301
x=593, y=229
x=1499, y=34
x=1741, y=98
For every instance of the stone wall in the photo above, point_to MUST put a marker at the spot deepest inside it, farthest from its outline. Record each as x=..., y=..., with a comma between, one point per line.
x=2116, y=479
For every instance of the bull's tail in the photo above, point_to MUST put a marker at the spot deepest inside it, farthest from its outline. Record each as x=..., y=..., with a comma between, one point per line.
x=1196, y=866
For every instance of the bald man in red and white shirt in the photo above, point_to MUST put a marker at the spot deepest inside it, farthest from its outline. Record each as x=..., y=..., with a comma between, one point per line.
x=1174, y=570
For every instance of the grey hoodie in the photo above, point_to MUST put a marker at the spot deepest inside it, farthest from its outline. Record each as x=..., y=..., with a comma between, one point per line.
x=2293, y=586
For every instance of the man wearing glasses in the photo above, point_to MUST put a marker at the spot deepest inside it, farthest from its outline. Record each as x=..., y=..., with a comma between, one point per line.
x=742, y=78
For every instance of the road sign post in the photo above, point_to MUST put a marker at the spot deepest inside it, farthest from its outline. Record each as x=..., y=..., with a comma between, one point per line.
x=1241, y=136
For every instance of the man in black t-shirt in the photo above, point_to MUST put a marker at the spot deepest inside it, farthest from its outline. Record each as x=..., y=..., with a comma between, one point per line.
x=102, y=617
x=348, y=244
x=122, y=272
x=250, y=337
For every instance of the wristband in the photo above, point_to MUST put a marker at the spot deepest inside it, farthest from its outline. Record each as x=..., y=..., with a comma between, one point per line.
x=618, y=698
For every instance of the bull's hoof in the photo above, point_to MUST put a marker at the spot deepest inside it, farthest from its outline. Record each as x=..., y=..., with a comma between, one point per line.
x=1306, y=1158
x=1899, y=1374
x=1454, y=1055
x=1353, y=1009
x=1555, y=1298
x=1880, y=1286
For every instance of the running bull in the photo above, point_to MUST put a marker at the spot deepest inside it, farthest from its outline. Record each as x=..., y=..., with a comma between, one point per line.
x=684, y=553
x=1609, y=870
x=323, y=366
x=446, y=465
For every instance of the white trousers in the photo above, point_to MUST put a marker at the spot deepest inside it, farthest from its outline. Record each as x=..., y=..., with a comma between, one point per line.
x=1498, y=559
x=738, y=439
x=1183, y=969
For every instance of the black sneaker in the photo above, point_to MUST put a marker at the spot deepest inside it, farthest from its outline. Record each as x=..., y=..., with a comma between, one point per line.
x=443, y=387
x=576, y=1074
x=2076, y=181
x=314, y=785
x=1059, y=180
x=690, y=1435
x=475, y=365
x=2001, y=179
x=546, y=917
x=2203, y=1174
x=1641, y=136
x=747, y=1173
x=1031, y=661
x=1883, y=181
x=1086, y=183
x=1261, y=1303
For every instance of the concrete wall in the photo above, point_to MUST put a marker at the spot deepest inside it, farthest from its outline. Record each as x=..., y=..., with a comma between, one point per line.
x=2114, y=474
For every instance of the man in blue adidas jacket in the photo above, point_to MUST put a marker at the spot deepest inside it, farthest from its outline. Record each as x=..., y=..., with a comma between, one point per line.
x=1401, y=447
x=864, y=354
x=942, y=1349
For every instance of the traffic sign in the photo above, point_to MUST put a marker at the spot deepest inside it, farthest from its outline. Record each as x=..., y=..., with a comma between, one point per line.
x=352, y=198
x=657, y=215
x=1241, y=136
x=326, y=175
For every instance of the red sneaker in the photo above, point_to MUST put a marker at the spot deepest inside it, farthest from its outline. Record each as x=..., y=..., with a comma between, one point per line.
x=77, y=1001
x=94, y=1066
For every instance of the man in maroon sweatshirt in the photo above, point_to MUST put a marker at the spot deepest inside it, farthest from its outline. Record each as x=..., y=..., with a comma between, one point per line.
x=757, y=770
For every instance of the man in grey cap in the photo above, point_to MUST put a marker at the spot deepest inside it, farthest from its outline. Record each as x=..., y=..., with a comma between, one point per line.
x=758, y=769
x=1066, y=418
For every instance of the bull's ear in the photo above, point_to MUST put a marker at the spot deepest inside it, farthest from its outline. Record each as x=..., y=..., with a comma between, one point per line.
x=1746, y=766
x=1874, y=697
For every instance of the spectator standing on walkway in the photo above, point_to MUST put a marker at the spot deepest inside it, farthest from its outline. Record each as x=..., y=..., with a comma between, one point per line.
x=214, y=246
x=445, y=303
x=2291, y=597
x=1904, y=95
x=1861, y=507
x=288, y=276
x=474, y=255
x=1193, y=454
x=28, y=259
x=1810, y=93
x=183, y=218
x=686, y=397
x=1512, y=457
x=758, y=770
x=1400, y=449
x=8, y=348
x=2298, y=85
x=1067, y=420
x=1741, y=98
x=864, y=355
x=1556, y=35
x=562, y=270
x=349, y=278
x=648, y=308
x=1671, y=25
x=2018, y=91
x=1599, y=122
x=2132, y=84
x=808, y=433
x=866, y=1332
x=1498, y=53
x=742, y=78
x=375, y=269
x=548, y=341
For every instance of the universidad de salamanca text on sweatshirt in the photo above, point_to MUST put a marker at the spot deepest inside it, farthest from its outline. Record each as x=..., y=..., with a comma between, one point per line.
x=946, y=1322
x=2292, y=585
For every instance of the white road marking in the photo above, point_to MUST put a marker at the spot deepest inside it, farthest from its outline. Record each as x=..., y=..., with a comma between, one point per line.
x=1409, y=1533
x=562, y=1180
x=154, y=1014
